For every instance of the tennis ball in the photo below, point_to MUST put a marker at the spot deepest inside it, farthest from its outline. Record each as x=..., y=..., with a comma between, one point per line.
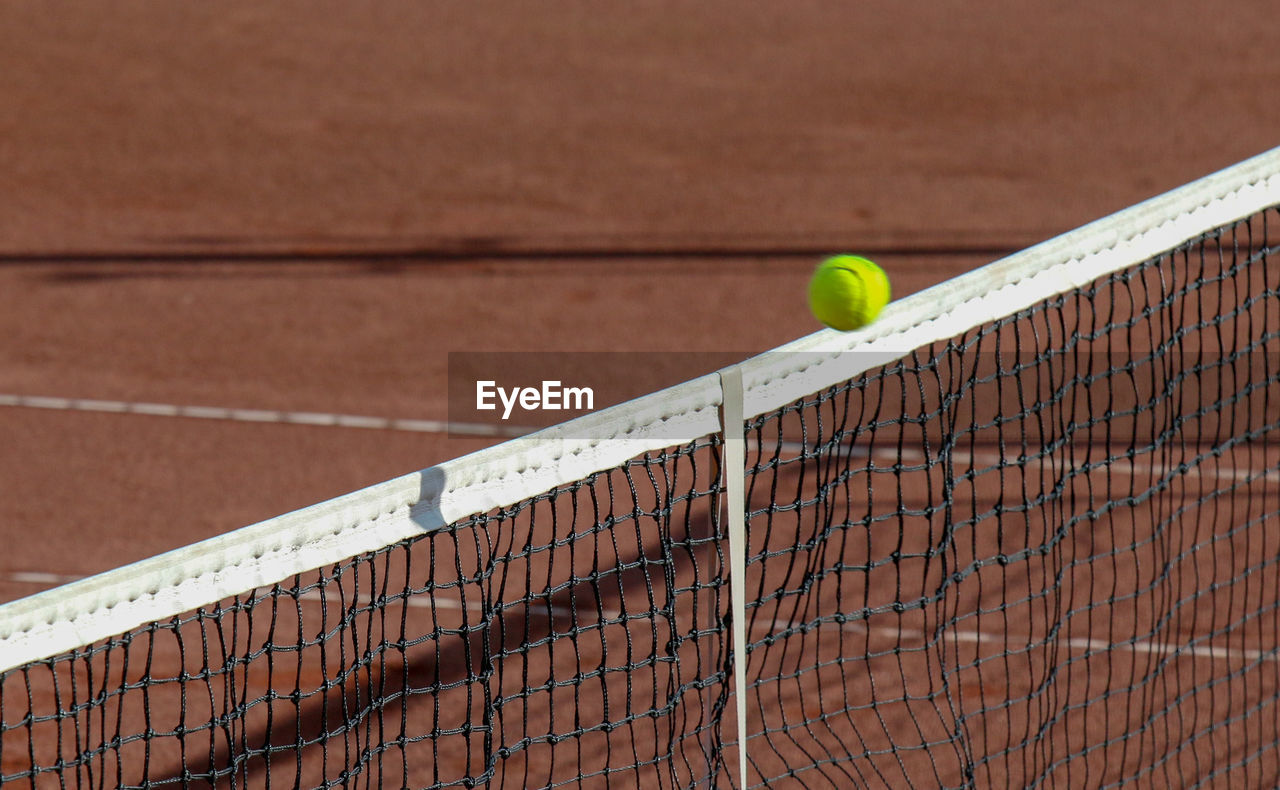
x=848, y=292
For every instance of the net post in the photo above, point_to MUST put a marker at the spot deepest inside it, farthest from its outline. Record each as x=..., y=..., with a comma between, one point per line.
x=731, y=416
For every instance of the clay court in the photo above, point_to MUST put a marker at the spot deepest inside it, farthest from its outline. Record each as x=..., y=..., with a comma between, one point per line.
x=240, y=213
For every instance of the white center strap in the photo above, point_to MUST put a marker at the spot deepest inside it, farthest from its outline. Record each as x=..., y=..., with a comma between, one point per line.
x=735, y=462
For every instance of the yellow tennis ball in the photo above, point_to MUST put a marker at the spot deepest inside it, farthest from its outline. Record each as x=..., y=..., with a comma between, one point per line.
x=848, y=292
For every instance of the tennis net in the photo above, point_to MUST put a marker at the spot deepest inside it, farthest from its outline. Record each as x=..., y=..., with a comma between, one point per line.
x=1024, y=530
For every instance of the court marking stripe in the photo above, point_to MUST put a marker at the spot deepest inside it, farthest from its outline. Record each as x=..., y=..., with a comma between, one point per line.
x=1079, y=644
x=483, y=430
x=268, y=416
x=995, y=460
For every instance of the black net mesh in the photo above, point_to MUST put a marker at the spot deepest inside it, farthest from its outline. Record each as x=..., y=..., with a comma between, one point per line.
x=1046, y=552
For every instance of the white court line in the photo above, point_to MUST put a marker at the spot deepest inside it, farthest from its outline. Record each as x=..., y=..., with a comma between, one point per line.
x=39, y=577
x=1080, y=644
x=1197, y=470
x=994, y=459
x=262, y=416
x=323, y=419
x=1137, y=646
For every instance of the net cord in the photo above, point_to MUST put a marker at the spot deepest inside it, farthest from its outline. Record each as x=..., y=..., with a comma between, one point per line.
x=161, y=587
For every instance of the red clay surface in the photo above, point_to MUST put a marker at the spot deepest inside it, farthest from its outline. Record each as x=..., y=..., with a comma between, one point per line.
x=299, y=209
x=147, y=131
